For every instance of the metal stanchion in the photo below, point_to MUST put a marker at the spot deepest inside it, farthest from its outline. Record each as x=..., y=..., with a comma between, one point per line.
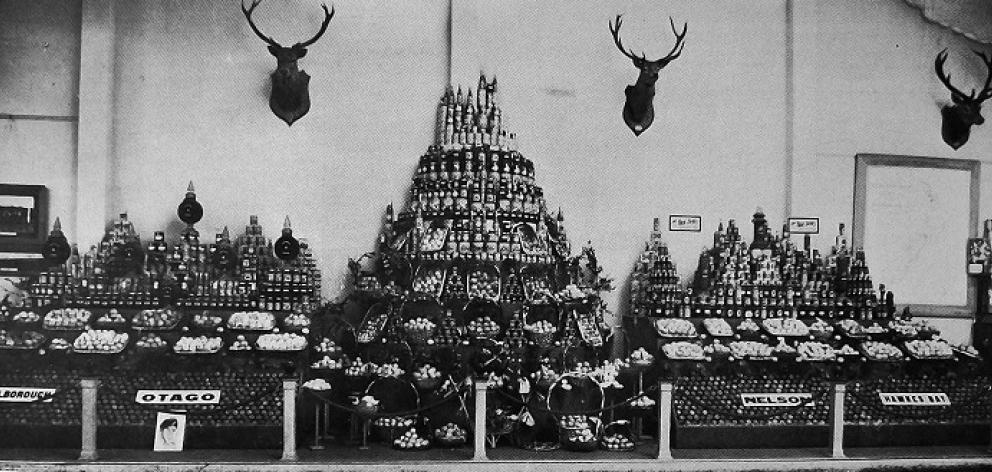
x=837, y=421
x=289, y=420
x=89, y=421
x=480, y=422
x=317, y=446
x=665, y=412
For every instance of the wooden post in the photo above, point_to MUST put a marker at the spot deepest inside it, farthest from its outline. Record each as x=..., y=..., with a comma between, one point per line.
x=837, y=421
x=480, y=422
x=289, y=420
x=665, y=421
x=89, y=420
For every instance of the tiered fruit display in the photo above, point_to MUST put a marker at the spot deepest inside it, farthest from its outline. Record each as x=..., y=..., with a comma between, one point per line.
x=419, y=330
x=240, y=344
x=484, y=327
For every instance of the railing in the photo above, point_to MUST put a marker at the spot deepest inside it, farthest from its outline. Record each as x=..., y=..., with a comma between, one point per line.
x=290, y=392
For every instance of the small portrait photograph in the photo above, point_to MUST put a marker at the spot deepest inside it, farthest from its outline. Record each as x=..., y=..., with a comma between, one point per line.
x=170, y=430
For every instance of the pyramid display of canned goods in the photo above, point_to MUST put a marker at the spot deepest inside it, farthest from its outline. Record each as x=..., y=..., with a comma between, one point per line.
x=476, y=225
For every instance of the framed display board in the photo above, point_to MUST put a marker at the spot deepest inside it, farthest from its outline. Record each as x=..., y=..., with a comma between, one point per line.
x=913, y=216
x=23, y=217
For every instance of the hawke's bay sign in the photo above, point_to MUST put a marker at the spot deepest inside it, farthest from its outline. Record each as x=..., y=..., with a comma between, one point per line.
x=914, y=399
x=776, y=399
x=178, y=397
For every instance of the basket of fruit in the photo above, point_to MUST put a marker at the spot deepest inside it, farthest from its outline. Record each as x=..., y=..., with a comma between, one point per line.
x=281, y=342
x=542, y=333
x=482, y=281
x=718, y=327
x=675, y=328
x=878, y=351
x=785, y=327
x=373, y=323
x=296, y=321
x=240, y=344
x=198, y=345
x=640, y=359
x=26, y=317
x=642, y=402
x=429, y=279
x=483, y=328
x=366, y=405
x=579, y=433
x=618, y=436
x=450, y=435
x=930, y=349
x=387, y=428
x=820, y=329
x=427, y=377
x=419, y=330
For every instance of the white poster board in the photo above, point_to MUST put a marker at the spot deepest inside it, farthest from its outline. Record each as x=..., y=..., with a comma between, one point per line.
x=170, y=432
x=913, y=217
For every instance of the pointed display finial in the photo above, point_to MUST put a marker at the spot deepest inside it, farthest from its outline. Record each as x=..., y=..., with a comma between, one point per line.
x=286, y=223
x=57, y=227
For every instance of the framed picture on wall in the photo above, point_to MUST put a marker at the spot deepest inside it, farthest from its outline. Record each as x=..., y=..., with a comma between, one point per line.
x=23, y=217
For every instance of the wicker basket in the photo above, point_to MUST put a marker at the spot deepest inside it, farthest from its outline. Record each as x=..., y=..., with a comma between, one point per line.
x=418, y=336
x=542, y=339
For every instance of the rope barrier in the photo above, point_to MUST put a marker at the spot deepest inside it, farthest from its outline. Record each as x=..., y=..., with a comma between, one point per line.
x=873, y=404
x=378, y=414
x=592, y=411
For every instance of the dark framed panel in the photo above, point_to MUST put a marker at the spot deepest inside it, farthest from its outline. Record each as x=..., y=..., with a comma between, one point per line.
x=946, y=190
x=23, y=217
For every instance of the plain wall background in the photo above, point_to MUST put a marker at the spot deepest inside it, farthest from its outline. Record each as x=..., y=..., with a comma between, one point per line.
x=190, y=101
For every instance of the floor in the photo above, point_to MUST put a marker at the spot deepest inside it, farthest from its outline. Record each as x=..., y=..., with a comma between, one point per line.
x=381, y=458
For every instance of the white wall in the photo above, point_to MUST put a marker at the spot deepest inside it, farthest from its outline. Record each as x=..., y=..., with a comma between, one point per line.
x=39, y=78
x=191, y=103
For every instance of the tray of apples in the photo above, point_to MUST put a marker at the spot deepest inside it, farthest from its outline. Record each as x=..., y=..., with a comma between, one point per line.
x=100, y=341
x=684, y=351
x=879, y=351
x=296, y=321
x=930, y=349
x=251, y=321
x=785, y=327
x=26, y=317
x=718, y=327
x=814, y=351
x=285, y=342
x=675, y=328
x=24, y=341
x=206, y=320
x=159, y=319
x=197, y=345
x=67, y=319
x=150, y=342
x=752, y=350
x=419, y=330
x=113, y=319
x=483, y=327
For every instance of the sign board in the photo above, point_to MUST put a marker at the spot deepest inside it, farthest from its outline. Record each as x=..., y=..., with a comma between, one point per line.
x=178, y=397
x=685, y=223
x=26, y=394
x=804, y=225
x=776, y=399
x=914, y=398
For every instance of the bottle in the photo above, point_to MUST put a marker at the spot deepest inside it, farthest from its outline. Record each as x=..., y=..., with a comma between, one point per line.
x=840, y=242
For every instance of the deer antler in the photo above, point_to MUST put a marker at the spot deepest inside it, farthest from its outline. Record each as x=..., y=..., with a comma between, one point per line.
x=672, y=55
x=323, y=27
x=938, y=65
x=986, y=90
x=248, y=12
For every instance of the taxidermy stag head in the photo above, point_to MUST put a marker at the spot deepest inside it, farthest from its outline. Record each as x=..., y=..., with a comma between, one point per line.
x=290, y=98
x=957, y=119
x=638, y=110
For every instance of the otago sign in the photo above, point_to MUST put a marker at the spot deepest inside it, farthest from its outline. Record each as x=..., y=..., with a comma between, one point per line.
x=178, y=397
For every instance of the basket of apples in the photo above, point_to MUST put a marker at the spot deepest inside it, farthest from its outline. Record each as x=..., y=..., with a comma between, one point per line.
x=618, y=437
x=419, y=330
x=427, y=377
x=542, y=333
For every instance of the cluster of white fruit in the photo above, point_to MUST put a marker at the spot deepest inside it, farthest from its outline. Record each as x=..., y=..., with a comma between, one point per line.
x=281, y=342
x=199, y=344
x=252, y=320
x=100, y=340
x=411, y=440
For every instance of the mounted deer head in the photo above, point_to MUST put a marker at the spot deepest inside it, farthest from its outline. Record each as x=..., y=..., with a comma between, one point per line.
x=290, y=98
x=957, y=119
x=638, y=110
